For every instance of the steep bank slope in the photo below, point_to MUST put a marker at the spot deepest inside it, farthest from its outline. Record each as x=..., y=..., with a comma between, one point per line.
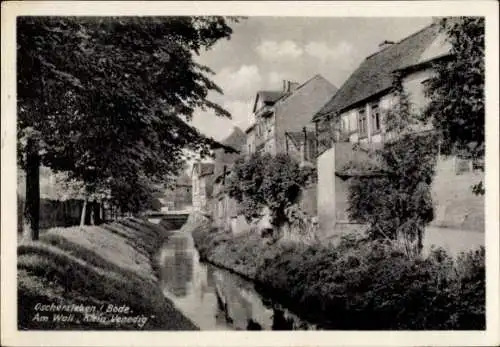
x=93, y=278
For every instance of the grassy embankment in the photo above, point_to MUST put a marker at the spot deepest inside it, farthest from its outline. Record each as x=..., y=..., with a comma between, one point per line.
x=95, y=266
x=357, y=284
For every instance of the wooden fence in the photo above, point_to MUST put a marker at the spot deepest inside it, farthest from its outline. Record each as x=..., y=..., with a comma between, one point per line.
x=56, y=213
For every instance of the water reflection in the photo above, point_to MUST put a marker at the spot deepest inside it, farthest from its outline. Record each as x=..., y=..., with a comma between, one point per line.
x=214, y=298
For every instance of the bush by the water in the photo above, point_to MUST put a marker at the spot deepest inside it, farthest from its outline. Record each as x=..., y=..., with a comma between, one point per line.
x=358, y=284
x=110, y=264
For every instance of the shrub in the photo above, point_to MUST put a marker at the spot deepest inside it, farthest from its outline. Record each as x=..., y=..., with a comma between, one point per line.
x=394, y=197
x=267, y=181
x=359, y=284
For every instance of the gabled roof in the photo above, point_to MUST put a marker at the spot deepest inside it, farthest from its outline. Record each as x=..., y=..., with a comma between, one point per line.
x=267, y=96
x=296, y=109
x=375, y=74
x=250, y=128
x=204, y=169
x=183, y=180
x=236, y=140
x=270, y=95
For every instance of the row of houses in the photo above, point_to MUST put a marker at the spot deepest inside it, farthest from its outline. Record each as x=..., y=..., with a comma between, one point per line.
x=318, y=124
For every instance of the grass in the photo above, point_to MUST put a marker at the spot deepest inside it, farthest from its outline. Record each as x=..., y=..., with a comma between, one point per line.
x=96, y=266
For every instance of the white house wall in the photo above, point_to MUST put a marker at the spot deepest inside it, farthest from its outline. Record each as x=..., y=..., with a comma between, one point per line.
x=414, y=87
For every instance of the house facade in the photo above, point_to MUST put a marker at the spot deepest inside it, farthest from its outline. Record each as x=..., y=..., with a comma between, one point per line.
x=202, y=186
x=179, y=196
x=357, y=112
x=222, y=206
x=261, y=135
x=282, y=116
x=301, y=145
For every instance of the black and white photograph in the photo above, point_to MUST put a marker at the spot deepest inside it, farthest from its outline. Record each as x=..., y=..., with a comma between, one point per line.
x=238, y=172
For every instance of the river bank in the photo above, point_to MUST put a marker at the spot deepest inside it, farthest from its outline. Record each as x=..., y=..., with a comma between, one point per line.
x=356, y=285
x=95, y=278
x=216, y=299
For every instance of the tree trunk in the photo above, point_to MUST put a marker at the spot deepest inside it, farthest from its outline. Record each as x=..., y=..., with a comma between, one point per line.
x=420, y=239
x=84, y=213
x=32, y=202
x=92, y=214
x=88, y=214
x=97, y=213
x=91, y=217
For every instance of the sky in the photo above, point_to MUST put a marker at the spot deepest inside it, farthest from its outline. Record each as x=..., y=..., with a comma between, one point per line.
x=264, y=51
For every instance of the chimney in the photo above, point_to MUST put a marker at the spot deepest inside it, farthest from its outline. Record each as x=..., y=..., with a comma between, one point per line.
x=289, y=86
x=384, y=44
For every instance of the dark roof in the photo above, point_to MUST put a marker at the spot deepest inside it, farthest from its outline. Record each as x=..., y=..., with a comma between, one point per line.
x=375, y=74
x=183, y=180
x=205, y=168
x=295, y=110
x=268, y=97
x=285, y=95
x=236, y=140
x=250, y=128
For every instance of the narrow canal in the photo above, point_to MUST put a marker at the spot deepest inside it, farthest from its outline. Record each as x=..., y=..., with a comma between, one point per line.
x=213, y=298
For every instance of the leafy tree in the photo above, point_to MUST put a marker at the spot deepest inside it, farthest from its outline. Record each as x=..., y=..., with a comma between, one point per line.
x=394, y=197
x=265, y=180
x=397, y=204
x=107, y=99
x=456, y=91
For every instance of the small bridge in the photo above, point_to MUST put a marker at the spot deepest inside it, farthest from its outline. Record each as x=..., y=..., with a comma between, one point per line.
x=171, y=220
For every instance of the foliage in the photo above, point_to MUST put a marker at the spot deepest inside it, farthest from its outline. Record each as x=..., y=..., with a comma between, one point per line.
x=109, y=97
x=265, y=180
x=359, y=284
x=456, y=91
x=397, y=204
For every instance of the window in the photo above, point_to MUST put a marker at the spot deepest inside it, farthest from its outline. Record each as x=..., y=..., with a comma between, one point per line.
x=375, y=118
x=270, y=128
x=220, y=208
x=352, y=122
x=345, y=124
x=362, y=123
